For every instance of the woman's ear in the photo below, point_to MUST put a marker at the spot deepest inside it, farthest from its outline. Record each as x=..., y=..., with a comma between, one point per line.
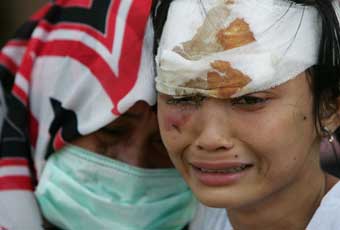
x=332, y=121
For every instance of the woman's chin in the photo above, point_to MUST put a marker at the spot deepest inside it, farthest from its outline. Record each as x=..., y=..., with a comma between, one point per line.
x=228, y=198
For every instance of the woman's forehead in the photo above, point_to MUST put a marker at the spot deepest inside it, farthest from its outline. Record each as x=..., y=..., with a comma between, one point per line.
x=225, y=49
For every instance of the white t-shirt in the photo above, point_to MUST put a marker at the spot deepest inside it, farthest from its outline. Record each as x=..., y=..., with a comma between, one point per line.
x=327, y=216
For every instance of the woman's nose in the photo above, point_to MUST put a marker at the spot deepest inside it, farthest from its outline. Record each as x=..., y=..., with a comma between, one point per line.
x=212, y=140
x=215, y=132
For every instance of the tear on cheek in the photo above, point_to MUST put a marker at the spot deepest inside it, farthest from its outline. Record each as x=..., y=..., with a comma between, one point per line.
x=176, y=122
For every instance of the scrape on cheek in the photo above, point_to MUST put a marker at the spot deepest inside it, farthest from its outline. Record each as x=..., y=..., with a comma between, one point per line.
x=176, y=121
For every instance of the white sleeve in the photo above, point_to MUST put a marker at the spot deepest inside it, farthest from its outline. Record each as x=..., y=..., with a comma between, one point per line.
x=210, y=218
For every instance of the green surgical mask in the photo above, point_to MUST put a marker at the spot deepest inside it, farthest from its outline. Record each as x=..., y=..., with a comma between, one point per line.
x=84, y=190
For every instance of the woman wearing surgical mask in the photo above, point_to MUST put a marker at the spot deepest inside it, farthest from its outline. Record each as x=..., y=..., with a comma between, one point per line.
x=247, y=89
x=83, y=101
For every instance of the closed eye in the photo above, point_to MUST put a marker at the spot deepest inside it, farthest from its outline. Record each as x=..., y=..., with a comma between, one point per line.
x=114, y=131
x=250, y=102
x=189, y=100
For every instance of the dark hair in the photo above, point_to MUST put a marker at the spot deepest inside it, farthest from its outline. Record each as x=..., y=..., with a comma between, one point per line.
x=325, y=76
x=159, y=15
x=325, y=80
x=326, y=73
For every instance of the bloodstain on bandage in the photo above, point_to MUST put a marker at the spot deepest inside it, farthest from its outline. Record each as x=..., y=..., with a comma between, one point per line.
x=226, y=80
x=222, y=82
x=237, y=34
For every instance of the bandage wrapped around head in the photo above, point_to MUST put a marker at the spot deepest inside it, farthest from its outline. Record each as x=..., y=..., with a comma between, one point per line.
x=229, y=48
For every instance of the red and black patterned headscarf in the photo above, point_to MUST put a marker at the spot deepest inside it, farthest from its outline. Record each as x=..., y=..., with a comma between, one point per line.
x=73, y=68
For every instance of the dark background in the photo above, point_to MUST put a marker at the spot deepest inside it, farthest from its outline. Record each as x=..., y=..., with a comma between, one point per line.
x=13, y=13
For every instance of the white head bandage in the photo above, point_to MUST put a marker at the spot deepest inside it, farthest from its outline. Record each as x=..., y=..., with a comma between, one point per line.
x=229, y=48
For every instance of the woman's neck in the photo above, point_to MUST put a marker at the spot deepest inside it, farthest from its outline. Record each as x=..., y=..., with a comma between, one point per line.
x=290, y=208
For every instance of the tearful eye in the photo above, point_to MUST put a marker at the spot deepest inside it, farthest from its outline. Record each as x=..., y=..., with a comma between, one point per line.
x=190, y=100
x=114, y=131
x=110, y=136
x=248, y=100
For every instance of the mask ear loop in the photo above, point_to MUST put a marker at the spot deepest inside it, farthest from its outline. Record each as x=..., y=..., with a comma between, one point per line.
x=332, y=141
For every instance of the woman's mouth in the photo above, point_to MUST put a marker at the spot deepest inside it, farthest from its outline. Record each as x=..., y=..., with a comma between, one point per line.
x=218, y=174
x=227, y=170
